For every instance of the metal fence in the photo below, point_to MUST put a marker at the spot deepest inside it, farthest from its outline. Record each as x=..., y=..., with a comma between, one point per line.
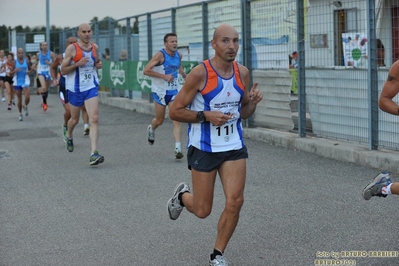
x=345, y=49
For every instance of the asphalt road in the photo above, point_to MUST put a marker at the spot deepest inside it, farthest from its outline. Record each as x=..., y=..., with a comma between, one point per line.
x=57, y=210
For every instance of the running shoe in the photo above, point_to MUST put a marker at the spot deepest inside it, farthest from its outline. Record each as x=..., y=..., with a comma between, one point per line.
x=3, y=99
x=178, y=154
x=13, y=102
x=9, y=107
x=86, y=130
x=174, y=207
x=374, y=188
x=64, y=133
x=96, y=158
x=69, y=144
x=151, y=135
x=20, y=117
x=219, y=261
x=26, y=110
x=45, y=107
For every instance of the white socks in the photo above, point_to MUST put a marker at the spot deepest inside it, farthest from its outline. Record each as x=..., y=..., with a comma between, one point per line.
x=386, y=190
x=178, y=146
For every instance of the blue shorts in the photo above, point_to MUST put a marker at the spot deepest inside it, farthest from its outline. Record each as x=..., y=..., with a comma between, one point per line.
x=45, y=74
x=78, y=99
x=19, y=88
x=165, y=100
x=22, y=84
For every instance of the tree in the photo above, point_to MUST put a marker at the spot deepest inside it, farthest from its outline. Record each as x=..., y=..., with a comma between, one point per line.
x=136, y=26
x=3, y=37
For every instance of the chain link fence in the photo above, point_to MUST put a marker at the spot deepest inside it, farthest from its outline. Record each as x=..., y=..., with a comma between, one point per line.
x=329, y=88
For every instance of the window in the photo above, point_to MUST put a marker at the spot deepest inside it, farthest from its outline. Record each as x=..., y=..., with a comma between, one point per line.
x=345, y=20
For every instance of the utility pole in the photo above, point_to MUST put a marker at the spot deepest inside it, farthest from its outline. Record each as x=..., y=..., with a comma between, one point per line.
x=48, y=22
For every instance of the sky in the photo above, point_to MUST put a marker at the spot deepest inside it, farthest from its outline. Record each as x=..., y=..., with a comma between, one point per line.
x=71, y=13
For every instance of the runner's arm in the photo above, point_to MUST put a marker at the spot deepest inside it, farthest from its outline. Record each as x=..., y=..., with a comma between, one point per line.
x=251, y=98
x=156, y=60
x=389, y=91
x=66, y=67
x=181, y=70
x=54, y=67
x=98, y=64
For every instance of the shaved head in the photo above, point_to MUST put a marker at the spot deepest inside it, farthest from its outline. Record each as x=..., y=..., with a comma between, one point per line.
x=71, y=40
x=84, y=33
x=223, y=29
x=225, y=42
x=84, y=26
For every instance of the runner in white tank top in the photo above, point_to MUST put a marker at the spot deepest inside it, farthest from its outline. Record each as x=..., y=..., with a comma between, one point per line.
x=3, y=60
x=217, y=93
x=56, y=65
x=163, y=68
x=45, y=57
x=81, y=62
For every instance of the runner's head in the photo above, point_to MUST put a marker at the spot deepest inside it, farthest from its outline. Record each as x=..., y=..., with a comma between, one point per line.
x=20, y=53
x=71, y=40
x=84, y=32
x=10, y=56
x=43, y=46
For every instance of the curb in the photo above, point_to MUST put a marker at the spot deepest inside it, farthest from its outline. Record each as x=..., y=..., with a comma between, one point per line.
x=339, y=150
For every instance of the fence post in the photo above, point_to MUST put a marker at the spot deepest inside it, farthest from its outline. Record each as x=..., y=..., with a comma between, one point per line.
x=129, y=52
x=372, y=81
x=205, y=30
x=96, y=33
x=149, y=45
x=173, y=18
x=246, y=44
x=62, y=41
x=301, y=68
x=149, y=36
x=111, y=31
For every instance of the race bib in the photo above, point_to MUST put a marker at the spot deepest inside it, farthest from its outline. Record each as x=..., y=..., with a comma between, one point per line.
x=173, y=84
x=86, y=77
x=44, y=68
x=226, y=132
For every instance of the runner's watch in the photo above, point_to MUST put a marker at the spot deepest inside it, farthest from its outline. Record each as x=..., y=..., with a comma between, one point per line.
x=201, y=117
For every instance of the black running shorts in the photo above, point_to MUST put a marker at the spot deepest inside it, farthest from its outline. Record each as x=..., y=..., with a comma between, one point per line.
x=206, y=161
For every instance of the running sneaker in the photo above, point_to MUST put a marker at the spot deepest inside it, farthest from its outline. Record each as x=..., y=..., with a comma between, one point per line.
x=374, y=188
x=9, y=107
x=64, y=133
x=219, y=261
x=20, y=117
x=174, y=207
x=69, y=144
x=26, y=110
x=178, y=154
x=3, y=99
x=45, y=107
x=13, y=102
x=151, y=135
x=86, y=130
x=96, y=158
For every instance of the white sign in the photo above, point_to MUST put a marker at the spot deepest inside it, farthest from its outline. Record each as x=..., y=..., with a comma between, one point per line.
x=38, y=38
x=355, y=49
x=32, y=47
